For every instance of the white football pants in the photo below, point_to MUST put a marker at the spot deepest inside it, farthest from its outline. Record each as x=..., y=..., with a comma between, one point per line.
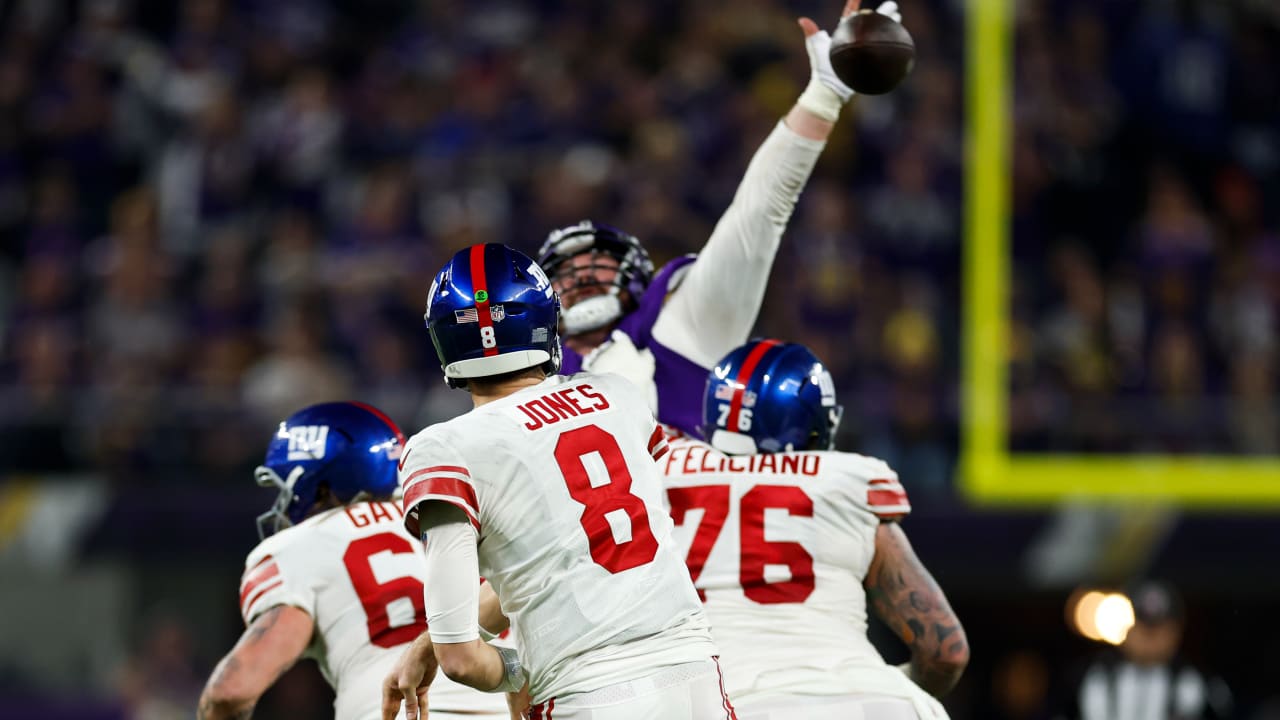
x=689, y=691
x=841, y=707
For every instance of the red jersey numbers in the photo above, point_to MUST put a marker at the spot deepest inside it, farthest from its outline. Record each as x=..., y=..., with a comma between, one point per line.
x=377, y=597
x=756, y=552
x=714, y=501
x=591, y=444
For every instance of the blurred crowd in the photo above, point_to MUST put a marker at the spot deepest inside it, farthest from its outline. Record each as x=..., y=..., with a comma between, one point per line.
x=215, y=211
x=1147, y=227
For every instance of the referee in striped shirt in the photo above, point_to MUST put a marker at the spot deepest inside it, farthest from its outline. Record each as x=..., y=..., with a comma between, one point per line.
x=1147, y=680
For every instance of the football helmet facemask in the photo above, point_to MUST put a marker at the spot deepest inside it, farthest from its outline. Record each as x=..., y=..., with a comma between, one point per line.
x=633, y=273
x=347, y=447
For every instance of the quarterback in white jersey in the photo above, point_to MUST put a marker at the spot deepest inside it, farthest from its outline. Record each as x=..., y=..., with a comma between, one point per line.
x=787, y=543
x=549, y=489
x=339, y=581
x=664, y=330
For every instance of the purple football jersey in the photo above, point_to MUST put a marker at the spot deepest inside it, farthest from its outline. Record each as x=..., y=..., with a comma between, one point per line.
x=679, y=380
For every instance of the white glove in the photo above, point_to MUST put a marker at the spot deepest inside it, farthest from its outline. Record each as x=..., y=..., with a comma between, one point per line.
x=826, y=93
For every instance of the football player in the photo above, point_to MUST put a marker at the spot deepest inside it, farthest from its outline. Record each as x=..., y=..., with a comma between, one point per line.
x=790, y=544
x=335, y=578
x=549, y=488
x=665, y=331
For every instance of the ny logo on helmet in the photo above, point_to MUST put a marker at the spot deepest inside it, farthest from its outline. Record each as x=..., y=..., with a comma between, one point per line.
x=307, y=442
x=540, y=279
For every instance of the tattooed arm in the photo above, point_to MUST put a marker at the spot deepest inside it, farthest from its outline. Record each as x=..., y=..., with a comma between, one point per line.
x=268, y=647
x=904, y=595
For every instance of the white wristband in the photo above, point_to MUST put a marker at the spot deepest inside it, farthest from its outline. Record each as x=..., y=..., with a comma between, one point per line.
x=821, y=100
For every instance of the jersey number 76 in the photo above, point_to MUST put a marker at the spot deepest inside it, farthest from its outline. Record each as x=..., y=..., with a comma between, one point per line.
x=756, y=551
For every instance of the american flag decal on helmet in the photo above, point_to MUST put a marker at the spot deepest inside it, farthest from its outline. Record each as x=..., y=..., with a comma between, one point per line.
x=497, y=313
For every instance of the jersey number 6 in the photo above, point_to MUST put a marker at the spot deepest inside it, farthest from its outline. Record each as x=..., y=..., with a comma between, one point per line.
x=375, y=597
x=572, y=450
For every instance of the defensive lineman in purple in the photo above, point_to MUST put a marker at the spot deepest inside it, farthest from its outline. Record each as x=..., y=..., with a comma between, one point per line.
x=665, y=332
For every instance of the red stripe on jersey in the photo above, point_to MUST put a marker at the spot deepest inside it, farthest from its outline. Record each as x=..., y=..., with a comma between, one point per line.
x=656, y=437
x=724, y=696
x=888, y=501
x=247, y=606
x=658, y=443
x=450, y=490
x=265, y=559
x=381, y=416
x=551, y=705
x=480, y=284
x=744, y=374
x=265, y=570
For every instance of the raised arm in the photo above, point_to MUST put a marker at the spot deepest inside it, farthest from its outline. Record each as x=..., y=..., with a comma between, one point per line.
x=902, y=593
x=271, y=644
x=716, y=304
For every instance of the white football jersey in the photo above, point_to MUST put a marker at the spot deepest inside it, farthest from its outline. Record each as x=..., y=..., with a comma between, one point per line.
x=357, y=574
x=778, y=545
x=560, y=483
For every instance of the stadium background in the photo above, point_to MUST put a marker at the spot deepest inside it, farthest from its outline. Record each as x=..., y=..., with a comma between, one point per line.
x=215, y=211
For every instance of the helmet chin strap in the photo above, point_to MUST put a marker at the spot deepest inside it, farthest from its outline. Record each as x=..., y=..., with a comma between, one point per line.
x=592, y=314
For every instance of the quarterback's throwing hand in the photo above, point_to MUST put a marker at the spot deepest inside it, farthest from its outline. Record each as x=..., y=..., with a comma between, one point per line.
x=408, y=681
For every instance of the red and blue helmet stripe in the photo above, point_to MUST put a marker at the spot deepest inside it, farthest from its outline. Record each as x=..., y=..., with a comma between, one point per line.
x=770, y=396
x=491, y=310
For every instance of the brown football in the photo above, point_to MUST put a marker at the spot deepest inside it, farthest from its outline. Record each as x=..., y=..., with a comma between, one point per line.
x=871, y=52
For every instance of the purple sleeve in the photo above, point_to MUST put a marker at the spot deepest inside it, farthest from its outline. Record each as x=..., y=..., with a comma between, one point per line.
x=638, y=325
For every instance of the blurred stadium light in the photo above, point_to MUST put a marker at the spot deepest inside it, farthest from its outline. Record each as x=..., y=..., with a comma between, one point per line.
x=1100, y=615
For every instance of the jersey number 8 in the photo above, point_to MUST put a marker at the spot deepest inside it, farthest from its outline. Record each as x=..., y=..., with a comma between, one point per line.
x=572, y=450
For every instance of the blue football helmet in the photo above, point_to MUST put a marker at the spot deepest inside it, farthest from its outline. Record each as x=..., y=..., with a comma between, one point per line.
x=350, y=448
x=492, y=311
x=769, y=396
x=634, y=271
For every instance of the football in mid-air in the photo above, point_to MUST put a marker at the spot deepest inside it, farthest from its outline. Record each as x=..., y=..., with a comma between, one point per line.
x=871, y=52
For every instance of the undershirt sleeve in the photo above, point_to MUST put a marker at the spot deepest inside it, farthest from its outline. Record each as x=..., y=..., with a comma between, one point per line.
x=453, y=574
